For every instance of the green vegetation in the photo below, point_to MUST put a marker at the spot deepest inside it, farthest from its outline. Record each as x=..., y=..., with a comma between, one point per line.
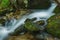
x=30, y=26
x=57, y=10
x=53, y=26
x=4, y=4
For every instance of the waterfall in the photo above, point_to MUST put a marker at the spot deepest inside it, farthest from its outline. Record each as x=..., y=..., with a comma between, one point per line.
x=44, y=13
x=53, y=6
x=13, y=24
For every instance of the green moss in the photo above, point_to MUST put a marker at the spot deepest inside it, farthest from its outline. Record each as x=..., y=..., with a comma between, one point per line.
x=57, y=10
x=4, y=4
x=53, y=26
x=30, y=26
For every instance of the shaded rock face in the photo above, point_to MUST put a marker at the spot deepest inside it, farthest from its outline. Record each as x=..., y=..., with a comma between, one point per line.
x=38, y=4
x=32, y=26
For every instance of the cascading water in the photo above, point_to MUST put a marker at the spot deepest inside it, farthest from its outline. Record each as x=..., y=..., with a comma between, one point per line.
x=4, y=31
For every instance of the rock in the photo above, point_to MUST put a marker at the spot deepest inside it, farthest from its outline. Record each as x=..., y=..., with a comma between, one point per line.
x=58, y=2
x=57, y=10
x=53, y=26
x=17, y=4
x=29, y=25
x=41, y=22
x=33, y=19
x=18, y=31
x=40, y=4
x=26, y=36
x=2, y=22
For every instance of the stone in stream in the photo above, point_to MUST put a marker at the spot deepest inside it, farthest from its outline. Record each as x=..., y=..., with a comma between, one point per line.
x=18, y=31
x=33, y=19
x=41, y=22
x=31, y=26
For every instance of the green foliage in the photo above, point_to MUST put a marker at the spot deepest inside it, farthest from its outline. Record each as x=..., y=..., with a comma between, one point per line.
x=53, y=26
x=4, y=4
x=57, y=10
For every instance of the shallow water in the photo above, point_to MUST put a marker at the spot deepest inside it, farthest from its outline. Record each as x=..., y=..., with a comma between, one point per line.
x=13, y=24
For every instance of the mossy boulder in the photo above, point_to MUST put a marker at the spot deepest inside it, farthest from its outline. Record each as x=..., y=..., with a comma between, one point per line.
x=57, y=10
x=29, y=25
x=53, y=26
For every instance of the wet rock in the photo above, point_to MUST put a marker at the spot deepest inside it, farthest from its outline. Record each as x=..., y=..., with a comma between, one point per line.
x=18, y=31
x=41, y=22
x=29, y=25
x=33, y=19
x=32, y=26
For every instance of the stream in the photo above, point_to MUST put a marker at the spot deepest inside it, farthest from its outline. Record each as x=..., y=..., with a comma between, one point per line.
x=39, y=14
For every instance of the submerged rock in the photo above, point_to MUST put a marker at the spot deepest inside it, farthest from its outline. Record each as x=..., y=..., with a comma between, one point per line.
x=2, y=22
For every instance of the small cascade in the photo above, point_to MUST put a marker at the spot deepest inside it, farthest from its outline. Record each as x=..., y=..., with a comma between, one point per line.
x=11, y=25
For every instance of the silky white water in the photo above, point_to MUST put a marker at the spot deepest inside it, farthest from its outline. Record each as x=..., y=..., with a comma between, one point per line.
x=13, y=24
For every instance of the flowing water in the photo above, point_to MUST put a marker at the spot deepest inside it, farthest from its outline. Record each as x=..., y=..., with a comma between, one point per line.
x=13, y=24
